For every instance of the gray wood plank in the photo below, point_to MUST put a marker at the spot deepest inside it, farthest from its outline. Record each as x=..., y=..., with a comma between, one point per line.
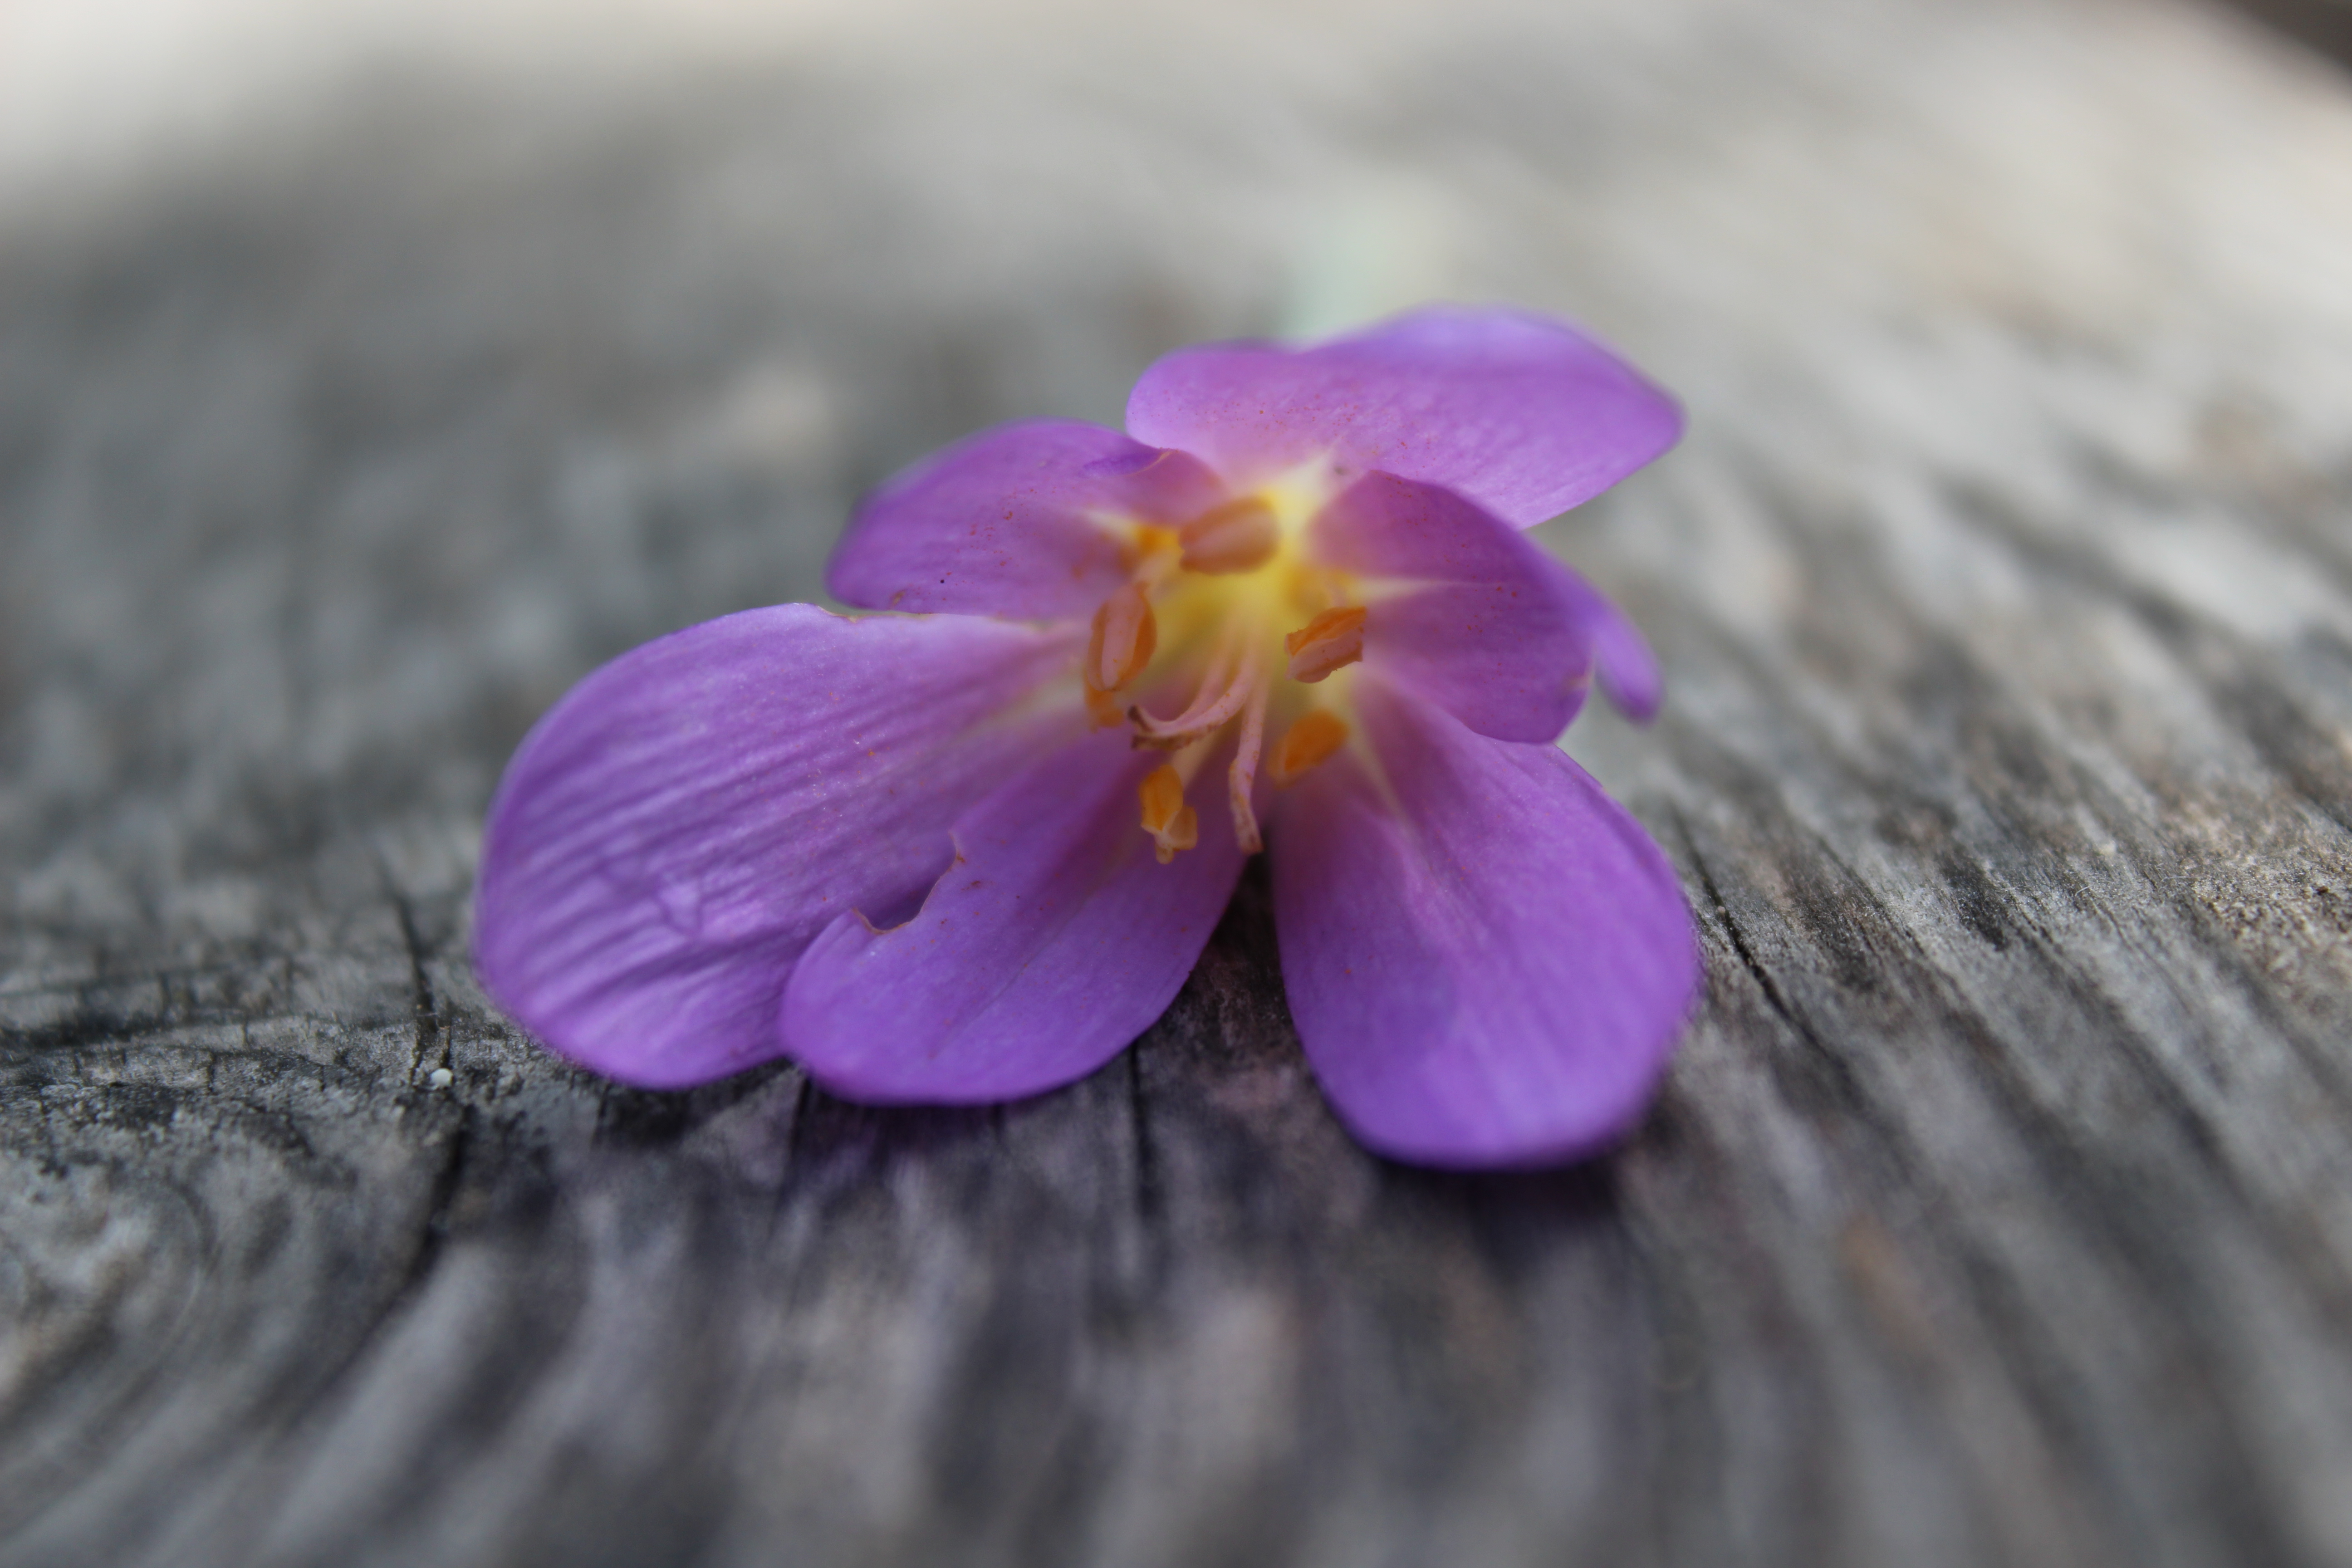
x=1999, y=1208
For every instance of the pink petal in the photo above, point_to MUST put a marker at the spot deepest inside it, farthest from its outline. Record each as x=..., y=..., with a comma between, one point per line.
x=1055, y=939
x=1002, y=523
x=1493, y=638
x=1487, y=959
x=1629, y=671
x=1523, y=415
x=673, y=832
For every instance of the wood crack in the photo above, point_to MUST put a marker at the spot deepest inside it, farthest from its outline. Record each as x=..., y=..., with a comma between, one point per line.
x=428, y=1042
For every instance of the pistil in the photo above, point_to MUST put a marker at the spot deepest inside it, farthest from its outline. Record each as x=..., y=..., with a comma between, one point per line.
x=1241, y=776
x=1223, y=694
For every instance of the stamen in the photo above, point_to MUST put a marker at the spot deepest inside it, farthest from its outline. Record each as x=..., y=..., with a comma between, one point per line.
x=1331, y=640
x=1125, y=635
x=1102, y=708
x=1242, y=775
x=1309, y=743
x=1239, y=536
x=1155, y=558
x=1173, y=826
x=1144, y=551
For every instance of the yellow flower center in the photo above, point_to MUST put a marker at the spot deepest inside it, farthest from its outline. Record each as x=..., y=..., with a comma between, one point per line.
x=1226, y=622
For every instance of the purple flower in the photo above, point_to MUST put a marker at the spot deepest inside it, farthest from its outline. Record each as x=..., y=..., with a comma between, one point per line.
x=968, y=851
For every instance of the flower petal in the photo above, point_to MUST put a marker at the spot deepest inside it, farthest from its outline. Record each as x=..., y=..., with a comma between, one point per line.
x=1054, y=939
x=673, y=832
x=1629, y=671
x=1007, y=522
x=1487, y=959
x=1523, y=415
x=1493, y=637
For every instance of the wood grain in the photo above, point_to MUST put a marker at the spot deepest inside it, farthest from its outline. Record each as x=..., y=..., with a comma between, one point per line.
x=1999, y=1209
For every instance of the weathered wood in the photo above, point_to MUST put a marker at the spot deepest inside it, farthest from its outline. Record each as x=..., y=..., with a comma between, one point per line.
x=1999, y=1208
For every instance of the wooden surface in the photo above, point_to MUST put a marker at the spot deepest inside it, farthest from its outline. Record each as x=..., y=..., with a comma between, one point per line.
x=1999, y=1209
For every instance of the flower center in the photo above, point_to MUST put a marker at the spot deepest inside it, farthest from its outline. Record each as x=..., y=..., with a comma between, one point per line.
x=1224, y=623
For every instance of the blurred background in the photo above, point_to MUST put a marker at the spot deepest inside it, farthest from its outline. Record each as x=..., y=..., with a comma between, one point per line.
x=620, y=303
x=369, y=371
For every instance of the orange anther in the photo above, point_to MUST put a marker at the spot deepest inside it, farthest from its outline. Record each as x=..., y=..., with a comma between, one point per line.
x=1102, y=708
x=1239, y=536
x=1162, y=795
x=1124, y=637
x=1309, y=742
x=1148, y=542
x=1332, y=639
x=1183, y=834
x=1173, y=826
